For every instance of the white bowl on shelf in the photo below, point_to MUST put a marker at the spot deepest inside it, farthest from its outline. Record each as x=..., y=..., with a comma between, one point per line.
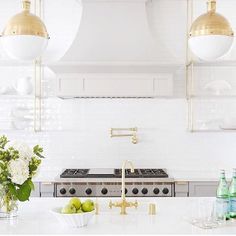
x=76, y=220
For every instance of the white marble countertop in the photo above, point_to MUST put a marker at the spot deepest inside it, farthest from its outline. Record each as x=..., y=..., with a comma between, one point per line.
x=196, y=175
x=47, y=176
x=35, y=218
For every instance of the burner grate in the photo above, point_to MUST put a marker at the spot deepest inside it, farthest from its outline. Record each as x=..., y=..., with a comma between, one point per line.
x=128, y=173
x=138, y=173
x=143, y=173
x=160, y=173
x=74, y=173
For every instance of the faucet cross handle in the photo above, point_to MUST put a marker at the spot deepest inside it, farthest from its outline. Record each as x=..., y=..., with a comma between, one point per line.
x=111, y=204
x=115, y=204
x=134, y=204
x=123, y=205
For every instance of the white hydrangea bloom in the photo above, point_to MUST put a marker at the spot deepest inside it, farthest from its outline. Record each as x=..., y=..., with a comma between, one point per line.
x=19, y=171
x=25, y=152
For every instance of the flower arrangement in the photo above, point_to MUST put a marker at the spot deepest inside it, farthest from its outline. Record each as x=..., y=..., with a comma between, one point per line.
x=18, y=165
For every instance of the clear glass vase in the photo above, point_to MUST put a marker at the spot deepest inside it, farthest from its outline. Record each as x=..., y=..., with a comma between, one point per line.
x=8, y=204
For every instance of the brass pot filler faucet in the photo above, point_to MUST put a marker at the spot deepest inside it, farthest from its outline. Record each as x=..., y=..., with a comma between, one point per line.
x=132, y=134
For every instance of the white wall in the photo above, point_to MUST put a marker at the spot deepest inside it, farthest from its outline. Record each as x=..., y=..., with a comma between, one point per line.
x=162, y=131
x=79, y=129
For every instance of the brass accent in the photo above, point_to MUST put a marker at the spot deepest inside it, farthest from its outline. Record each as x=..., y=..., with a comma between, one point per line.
x=189, y=62
x=211, y=23
x=152, y=209
x=25, y=23
x=124, y=204
x=96, y=207
x=133, y=135
x=38, y=75
x=181, y=182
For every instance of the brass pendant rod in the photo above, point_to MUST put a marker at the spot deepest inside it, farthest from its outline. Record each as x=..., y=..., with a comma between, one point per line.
x=26, y=5
x=211, y=6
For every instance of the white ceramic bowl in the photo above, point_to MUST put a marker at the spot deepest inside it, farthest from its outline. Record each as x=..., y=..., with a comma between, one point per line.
x=73, y=220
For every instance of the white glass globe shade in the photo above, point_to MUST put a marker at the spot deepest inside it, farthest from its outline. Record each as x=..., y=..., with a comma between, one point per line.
x=24, y=47
x=210, y=47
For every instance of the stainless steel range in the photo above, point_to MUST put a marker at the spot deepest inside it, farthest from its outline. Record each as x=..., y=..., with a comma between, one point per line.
x=107, y=183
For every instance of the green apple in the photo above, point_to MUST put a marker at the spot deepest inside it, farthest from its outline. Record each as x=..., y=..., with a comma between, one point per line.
x=75, y=202
x=68, y=209
x=87, y=206
x=79, y=211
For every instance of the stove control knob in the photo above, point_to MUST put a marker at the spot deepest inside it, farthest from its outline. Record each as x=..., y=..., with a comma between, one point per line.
x=72, y=191
x=165, y=190
x=88, y=191
x=104, y=191
x=135, y=191
x=62, y=191
x=144, y=191
x=156, y=190
x=126, y=190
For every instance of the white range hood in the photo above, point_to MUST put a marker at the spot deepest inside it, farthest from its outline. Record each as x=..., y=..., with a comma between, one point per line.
x=114, y=54
x=113, y=31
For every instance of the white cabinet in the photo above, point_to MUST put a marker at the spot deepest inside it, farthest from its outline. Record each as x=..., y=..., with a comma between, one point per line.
x=69, y=86
x=36, y=191
x=195, y=188
x=202, y=189
x=115, y=85
x=181, y=189
x=47, y=189
x=119, y=87
x=163, y=85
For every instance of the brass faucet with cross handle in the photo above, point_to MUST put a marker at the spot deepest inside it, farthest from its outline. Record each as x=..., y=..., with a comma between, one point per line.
x=124, y=204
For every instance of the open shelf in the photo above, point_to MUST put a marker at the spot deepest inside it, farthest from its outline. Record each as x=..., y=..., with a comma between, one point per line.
x=13, y=63
x=212, y=97
x=220, y=63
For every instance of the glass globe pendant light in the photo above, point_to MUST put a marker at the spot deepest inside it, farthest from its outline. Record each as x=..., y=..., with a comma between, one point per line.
x=211, y=35
x=25, y=36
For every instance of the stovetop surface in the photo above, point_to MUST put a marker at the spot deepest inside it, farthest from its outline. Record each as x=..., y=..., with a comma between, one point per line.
x=113, y=173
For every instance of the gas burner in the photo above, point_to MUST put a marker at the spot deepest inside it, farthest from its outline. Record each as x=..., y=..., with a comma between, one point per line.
x=142, y=173
x=113, y=173
x=128, y=173
x=74, y=173
x=149, y=173
x=106, y=182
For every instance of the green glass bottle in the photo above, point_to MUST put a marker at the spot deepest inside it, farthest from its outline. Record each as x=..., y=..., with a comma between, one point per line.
x=232, y=195
x=222, y=197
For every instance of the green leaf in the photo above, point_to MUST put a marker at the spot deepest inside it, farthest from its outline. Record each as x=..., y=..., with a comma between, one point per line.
x=31, y=184
x=23, y=193
x=2, y=166
x=12, y=189
x=3, y=141
x=38, y=151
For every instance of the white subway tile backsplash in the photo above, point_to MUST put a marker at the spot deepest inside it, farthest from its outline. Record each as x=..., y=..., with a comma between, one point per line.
x=83, y=140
